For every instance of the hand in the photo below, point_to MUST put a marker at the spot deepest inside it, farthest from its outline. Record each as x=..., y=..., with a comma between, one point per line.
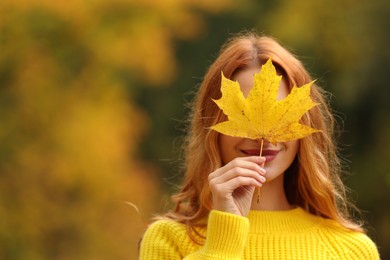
x=232, y=186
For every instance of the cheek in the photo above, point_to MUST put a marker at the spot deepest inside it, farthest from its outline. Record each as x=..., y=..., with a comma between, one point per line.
x=293, y=148
x=222, y=143
x=227, y=145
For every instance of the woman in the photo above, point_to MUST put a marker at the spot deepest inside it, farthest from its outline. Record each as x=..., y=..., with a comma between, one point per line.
x=303, y=210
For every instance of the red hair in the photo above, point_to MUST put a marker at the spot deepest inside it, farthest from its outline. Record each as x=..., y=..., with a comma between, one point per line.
x=311, y=182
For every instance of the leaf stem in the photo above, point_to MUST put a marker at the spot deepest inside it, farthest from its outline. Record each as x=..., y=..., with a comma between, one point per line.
x=261, y=152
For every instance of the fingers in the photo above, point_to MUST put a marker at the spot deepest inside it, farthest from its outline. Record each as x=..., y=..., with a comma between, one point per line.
x=251, y=163
x=239, y=172
x=232, y=185
x=222, y=188
x=240, y=181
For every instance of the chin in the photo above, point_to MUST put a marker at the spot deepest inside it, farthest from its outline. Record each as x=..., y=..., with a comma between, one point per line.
x=271, y=175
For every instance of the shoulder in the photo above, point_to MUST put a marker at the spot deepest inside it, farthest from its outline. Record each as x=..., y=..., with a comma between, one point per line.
x=167, y=229
x=346, y=243
x=166, y=239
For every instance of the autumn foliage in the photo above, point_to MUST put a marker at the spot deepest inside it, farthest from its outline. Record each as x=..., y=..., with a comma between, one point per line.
x=71, y=124
x=69, y=129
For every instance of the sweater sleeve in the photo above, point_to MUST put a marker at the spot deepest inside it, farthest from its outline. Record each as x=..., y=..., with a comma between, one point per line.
x=226, y=237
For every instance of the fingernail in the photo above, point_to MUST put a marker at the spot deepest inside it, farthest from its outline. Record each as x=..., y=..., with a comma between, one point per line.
x=262, y=170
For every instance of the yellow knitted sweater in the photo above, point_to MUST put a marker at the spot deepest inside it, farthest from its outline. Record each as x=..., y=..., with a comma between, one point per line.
x=292, y=234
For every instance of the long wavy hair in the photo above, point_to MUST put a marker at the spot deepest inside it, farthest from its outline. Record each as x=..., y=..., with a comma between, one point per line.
x=313, y=180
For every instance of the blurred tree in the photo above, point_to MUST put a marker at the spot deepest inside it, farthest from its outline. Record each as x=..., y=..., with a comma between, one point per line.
x=69, y=128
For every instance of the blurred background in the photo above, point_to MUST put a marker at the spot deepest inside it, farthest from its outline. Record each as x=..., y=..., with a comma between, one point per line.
x=93, y=101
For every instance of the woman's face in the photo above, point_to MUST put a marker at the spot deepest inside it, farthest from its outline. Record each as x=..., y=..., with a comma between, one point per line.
x=278, y=157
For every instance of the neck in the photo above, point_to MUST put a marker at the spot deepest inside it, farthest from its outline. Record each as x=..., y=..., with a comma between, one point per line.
x=272, y=196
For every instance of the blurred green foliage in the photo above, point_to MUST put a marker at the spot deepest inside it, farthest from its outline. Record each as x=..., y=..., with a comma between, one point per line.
x=70, y=129
x=92, y=109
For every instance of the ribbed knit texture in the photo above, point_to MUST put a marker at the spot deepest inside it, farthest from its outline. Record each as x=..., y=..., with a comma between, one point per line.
x=292, y=234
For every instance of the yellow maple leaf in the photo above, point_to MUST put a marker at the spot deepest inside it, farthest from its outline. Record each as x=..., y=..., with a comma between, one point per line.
x=260, y=115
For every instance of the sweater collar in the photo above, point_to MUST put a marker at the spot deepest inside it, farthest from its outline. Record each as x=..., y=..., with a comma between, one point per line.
x=295, y=220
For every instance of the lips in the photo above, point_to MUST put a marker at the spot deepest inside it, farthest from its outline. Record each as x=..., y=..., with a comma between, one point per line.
x=269, y=154
x=251, y=151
